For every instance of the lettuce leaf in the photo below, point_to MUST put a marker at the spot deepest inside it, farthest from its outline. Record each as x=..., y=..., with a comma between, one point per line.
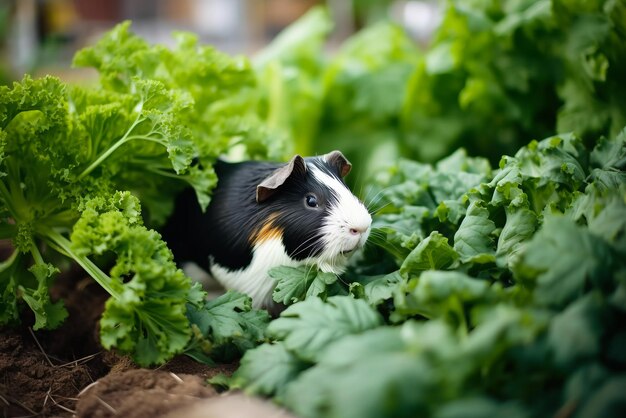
x=308, y=326
x=75, y=161
x=498, y=290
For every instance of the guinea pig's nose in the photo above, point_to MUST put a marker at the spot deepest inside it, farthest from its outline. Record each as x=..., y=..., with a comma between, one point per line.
x=357, y=230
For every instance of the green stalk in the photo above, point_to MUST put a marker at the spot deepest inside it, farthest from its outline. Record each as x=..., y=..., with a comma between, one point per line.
x=13, y=196
x=36, y=254
x=9, y=261
x=165, y=173
x=463, y=330
x=146, y=138
x=111, y=150
x=6, y=197
x=64, y=246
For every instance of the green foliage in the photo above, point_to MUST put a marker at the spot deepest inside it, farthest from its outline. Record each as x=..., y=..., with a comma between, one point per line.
x=225, y=327
x=74, y=163
x=320, y=103
x=484, y=291
x=288, y=72
x=432, y=253
x=308, y=327
x=267, y=370
x=495, y=75
x=146, y=314
x=501, y=292
x=204, y=122
x=524, y=69
x=295, y=284
x=563, y=249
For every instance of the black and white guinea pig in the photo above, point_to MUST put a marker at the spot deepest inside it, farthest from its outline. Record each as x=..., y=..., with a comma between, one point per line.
x=263, y=215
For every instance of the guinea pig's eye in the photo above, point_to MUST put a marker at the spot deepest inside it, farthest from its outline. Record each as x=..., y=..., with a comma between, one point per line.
x=311, y=201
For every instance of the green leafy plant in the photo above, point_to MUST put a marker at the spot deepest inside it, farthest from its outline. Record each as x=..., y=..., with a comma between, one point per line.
x=495, y=75
x=497, y=292
x=499, y=288
x=294, y=284
x=485, y=291
x=525, y=69
x=76, y=161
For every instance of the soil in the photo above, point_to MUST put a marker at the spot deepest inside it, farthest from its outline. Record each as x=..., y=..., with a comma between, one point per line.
x=65, y=372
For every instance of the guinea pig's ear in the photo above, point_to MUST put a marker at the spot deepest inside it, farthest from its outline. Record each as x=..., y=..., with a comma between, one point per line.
x=336, y=159
x=270, y=184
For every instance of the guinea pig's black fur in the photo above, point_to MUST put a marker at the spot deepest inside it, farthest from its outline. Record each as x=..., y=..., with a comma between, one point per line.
x=256, y=201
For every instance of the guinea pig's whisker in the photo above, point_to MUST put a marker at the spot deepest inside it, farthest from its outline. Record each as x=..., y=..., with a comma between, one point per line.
x=366, y=197
x=374, y=212
x=374, y=205
x=307, y=241
x=342, y=280
x=334, y=253
x=378, y=233
x=310, y=269
x=377, y=198
x=299, y=248
x=381, y=235
x=377, y=193
x=331, y=254
x=375, y=233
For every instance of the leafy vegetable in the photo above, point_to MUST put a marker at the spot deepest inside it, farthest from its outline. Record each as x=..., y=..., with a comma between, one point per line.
x=562, y=249
x=495, y=75
x=146, y=313
x=510, y=298
x=267, y=370
x=75, y=161
x=524, y=69
x=225, y=327
x=485, y=290
x=288, y=72
x=309, y=326
x=295, y=284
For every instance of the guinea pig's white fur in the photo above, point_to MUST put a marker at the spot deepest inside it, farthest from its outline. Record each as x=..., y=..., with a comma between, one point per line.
x=347, y=227
x=344, y=230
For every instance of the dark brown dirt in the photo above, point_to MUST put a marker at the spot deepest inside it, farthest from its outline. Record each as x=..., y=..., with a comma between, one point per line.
x=52, y=373
x=41, y=372
x=30, y=385
x=186, y=365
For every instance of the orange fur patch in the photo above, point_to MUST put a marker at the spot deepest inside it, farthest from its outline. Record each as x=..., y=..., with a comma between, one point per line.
x=267, y=231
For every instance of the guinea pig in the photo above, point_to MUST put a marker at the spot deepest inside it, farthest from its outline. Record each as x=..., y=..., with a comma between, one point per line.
x=263, y=215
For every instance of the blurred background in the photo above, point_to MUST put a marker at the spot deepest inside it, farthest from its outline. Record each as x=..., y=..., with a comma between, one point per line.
x=377, y=79
x=41, y=36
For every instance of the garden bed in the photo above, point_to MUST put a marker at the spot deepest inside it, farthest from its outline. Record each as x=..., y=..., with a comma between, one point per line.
x=66, y=371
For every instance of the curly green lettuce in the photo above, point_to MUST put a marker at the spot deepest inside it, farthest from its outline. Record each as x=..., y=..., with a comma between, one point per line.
x=75, y=163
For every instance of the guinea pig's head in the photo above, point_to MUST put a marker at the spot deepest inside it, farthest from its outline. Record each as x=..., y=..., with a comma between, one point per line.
x=310, y=206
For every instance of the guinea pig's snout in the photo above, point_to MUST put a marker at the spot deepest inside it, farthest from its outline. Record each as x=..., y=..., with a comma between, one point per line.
x=357, y=234
x=357, y=231
x=360, y=228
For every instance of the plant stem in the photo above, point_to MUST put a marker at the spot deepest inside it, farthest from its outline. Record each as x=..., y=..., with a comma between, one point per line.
x=112, y=149
x=36, y=254
x=165, y=173
x=9, y=261
x=146, y=138
x=63, y=245
x=8, y=198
